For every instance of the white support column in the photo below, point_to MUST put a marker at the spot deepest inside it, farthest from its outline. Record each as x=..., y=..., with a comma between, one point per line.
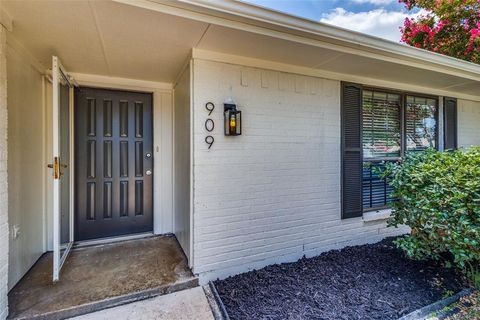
x=4, y=230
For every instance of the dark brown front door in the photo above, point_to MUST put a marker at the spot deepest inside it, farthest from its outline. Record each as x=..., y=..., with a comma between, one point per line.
x=113, y=163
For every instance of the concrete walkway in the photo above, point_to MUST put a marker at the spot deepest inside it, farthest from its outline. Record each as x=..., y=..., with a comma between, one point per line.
x=183, y=305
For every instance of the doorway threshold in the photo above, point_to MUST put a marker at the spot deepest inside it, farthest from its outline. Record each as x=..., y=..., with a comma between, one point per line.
x=103, y=276
x=109, y=240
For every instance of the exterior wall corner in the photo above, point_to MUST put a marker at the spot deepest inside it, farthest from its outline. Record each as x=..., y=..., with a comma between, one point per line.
x=4, y=230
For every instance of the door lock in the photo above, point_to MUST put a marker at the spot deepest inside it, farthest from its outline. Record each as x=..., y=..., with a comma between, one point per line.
x=61, y=165
x=148, y=155
x=148, y=172
x=56, y=168
x=56, y=165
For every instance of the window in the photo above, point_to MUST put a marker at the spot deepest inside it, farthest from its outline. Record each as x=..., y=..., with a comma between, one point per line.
x=381, y=124
x=392, y=124
x=421, y=123
x=378, y=126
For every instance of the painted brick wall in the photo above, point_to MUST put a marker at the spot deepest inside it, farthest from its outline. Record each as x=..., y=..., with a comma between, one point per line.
x=468, y=123
x=4, y=236
x=181, y=162
x=26, y=166
x=273, y=194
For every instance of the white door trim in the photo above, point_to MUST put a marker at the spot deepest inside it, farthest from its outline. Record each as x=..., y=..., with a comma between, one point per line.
x=162, y=140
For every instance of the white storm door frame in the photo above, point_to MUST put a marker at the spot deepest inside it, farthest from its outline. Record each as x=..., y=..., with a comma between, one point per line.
x=58, y=72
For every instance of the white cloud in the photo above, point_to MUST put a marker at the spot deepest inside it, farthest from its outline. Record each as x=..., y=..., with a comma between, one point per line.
x=375, y=2
x=379, y=22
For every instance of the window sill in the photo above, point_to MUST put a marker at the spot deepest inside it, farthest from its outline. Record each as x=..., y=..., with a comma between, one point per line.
x=383, y=214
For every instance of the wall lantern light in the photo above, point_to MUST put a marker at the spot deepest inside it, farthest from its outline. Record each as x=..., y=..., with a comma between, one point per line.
x=233, y=119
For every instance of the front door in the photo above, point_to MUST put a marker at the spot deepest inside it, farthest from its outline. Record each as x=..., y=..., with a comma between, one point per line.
x=113, y=163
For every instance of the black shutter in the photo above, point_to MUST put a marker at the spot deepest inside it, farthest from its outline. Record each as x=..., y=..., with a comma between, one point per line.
x=450, y=123
x=352, y=166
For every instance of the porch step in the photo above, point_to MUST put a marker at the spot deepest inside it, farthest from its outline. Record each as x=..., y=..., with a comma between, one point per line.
x=186, y=304
x=100, y=277
x=113, y=302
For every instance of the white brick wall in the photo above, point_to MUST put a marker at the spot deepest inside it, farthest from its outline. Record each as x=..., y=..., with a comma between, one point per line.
x=181, y=162
x=26, y=166
x=3, y=177
x=272, y=194
x=468, y=123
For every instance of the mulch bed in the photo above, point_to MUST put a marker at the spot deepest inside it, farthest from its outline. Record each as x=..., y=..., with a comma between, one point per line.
x=363, y=282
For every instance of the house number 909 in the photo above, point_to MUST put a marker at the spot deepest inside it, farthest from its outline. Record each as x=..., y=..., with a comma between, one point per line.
x=209, y=124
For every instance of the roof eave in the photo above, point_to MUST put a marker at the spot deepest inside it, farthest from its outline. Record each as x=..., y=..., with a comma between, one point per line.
x=256, y=19
x=348, y=37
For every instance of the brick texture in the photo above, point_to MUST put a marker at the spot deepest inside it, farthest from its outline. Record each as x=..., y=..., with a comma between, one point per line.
x=273, y=194
x=468, y=123
x=3, y=178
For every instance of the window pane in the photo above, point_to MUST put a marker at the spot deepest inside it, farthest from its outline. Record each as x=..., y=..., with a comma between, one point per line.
x=381, y=139
x=421, y=123
x=381, y=124
x=377, y=192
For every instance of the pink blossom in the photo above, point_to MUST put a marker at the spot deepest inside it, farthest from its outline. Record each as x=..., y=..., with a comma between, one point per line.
x=474, y=34
x=441, y=24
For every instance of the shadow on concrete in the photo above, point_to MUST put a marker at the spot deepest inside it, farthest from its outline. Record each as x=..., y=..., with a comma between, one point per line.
x=103, y=276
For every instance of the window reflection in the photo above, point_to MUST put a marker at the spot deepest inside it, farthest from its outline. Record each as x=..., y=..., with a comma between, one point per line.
x=381, y=124
x=421, y=123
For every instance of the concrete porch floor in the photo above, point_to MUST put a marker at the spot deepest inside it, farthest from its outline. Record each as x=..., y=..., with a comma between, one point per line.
x=99, y=277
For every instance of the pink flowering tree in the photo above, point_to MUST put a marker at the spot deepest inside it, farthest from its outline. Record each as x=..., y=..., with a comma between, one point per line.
x=450, y=27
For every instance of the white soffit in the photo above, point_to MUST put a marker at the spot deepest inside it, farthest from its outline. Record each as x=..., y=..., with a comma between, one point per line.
x=144, y=44
x=152, y=39
x=105, y=38
x=231, y=41
x=249, y=17
x=372, y=68
x=247, y=44
x=50, y=28
x=242, y=29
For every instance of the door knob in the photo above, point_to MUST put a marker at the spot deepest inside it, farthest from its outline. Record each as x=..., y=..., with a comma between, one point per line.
x=148, y=172
x=148, y=155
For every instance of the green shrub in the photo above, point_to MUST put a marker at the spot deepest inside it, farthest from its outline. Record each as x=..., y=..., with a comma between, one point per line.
x=473, y=273
x=438, y=197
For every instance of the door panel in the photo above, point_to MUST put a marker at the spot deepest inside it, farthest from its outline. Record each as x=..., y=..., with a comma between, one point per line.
x=114, y=163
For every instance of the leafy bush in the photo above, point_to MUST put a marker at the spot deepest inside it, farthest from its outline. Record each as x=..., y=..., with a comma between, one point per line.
x=473, y=273
x=438, y=197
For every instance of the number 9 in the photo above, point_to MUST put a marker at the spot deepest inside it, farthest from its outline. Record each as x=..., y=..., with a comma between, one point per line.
x=209, y=140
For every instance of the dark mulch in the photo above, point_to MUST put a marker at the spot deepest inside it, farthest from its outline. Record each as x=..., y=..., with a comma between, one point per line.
x=363, y=282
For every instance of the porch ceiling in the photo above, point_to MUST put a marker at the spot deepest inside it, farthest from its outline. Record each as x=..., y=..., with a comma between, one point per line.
x=151, y=40
x=105, y=38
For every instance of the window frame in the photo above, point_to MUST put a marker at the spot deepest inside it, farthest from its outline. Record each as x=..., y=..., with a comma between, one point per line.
x=403, y=127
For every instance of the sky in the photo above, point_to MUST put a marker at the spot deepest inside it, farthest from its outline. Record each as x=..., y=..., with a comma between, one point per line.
x=381, y=18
